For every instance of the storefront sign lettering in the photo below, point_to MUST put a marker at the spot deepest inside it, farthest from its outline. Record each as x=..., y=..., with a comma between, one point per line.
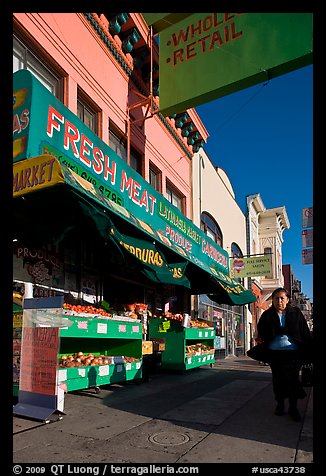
x=143, y=254
x=194, y=44
x=178, y=238
x=82, y=147
x=32, y=177
x=141, y=198
x=177, y=221
x=20, y=121
x=213, y=253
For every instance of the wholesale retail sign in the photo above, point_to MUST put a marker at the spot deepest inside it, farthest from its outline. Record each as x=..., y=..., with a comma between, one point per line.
x=90, y=164
x=210, y=55
x=251, y=266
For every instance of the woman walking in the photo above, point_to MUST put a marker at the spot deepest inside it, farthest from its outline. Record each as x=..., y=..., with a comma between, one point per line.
x=284, y=331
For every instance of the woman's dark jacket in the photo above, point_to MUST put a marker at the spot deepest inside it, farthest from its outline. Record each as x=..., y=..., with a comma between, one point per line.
x=296, y=327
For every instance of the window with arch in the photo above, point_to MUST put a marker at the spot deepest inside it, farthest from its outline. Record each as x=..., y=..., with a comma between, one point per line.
x=237, y=253
x=211, y=228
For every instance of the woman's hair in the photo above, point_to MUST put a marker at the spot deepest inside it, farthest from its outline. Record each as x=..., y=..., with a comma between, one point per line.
x=278, y=290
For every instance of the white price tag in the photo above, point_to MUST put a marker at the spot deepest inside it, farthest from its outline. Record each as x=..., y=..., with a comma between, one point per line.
x=82, y=372
x=189, y=360
x=200, y=334
x=128, y=366
x=102, y=328
x=103, y=370
x=62, y=375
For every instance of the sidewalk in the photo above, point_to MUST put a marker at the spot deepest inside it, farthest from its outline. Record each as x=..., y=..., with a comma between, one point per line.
x=219, y=414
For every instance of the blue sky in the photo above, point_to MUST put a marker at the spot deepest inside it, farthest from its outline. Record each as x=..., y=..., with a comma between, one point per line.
x=262, y=137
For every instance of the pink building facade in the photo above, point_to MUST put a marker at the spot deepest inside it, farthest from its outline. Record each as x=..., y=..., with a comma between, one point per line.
x=92, y=69
x=91, y=79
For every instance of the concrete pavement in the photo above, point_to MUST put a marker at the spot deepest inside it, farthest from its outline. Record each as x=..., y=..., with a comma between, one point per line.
x=218, y=414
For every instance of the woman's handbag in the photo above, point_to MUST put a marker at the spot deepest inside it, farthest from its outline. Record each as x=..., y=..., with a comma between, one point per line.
x=307, y=375
x=259, y=352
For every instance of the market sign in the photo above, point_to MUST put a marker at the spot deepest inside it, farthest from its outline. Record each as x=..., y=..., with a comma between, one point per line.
x=87, y=162
x=207, y=56
x=251, y=266
x=42, y=172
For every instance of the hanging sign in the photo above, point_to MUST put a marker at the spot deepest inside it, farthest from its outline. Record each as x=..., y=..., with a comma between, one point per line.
x=250, y=267
x=307, y=217
x=210, y=55
x=307, y=256
x=307, y=238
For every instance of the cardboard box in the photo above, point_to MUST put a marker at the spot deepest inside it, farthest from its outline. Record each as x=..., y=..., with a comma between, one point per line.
x=158, y=345
x=147, y=347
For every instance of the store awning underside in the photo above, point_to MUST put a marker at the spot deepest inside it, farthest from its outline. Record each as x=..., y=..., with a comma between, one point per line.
x=131, y=236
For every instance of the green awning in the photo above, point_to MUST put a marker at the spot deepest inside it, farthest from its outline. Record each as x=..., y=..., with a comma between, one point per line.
x=153, y=264
x=178, y=266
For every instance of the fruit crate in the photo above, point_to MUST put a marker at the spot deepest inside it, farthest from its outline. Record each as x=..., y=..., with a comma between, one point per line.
x=177, y=338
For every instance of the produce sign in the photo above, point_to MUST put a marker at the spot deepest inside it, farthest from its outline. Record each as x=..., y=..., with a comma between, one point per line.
x=39, y=355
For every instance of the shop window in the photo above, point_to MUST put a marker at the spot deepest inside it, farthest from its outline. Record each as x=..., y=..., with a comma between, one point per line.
x=87, y=114
x=118, y=143
x=25, y=58
x=173, y=197
x=155, y=178
x=211, y=228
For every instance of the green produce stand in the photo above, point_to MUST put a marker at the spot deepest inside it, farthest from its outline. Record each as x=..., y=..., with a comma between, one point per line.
x=101, y=336
x=177, y=338
x=108, y=337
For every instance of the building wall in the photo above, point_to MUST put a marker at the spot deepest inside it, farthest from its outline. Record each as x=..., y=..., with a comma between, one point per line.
x=213, y=193
x=73, y=47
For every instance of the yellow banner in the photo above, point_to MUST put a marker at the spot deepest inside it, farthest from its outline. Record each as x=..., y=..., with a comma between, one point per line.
x=250, y=267
x=35, y=174
x=19, y=97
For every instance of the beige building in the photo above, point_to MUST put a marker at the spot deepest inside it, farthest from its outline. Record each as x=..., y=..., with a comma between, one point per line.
x=265, y=236
x=216, y=211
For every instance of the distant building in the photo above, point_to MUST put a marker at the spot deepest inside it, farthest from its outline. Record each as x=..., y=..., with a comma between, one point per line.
x=265, y=227
x=293, y=286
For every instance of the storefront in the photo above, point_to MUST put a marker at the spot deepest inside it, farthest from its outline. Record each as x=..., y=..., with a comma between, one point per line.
x=90, y=228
